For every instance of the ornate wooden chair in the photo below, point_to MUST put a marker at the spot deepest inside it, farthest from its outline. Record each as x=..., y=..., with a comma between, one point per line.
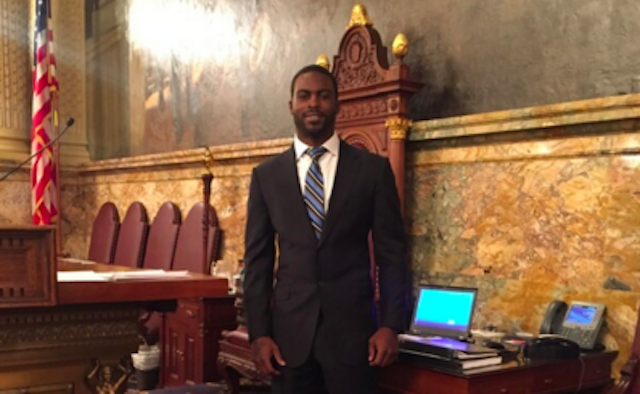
x=373, y=116
x=132, y=237
x=104, y=234
x=161, y=245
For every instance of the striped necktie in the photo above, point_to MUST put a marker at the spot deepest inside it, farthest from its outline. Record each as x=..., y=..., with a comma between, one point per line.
x=314, y=190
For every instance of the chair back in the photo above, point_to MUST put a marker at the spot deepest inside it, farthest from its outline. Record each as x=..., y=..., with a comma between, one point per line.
x=104, y=234
x=190, y=245
x=163, y=234
x=630, y=370
x=132, y=237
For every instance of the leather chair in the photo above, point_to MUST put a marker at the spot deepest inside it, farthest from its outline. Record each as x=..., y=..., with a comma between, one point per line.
x=189, y=247
x=163, y=234
x=104, y=234
x=132, y=237
x=161, y=246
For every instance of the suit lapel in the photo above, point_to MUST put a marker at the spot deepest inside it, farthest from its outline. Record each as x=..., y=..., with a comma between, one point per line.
x=290, y=184
x=347, y=170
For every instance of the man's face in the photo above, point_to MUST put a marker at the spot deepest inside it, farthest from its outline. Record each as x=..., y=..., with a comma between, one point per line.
x=314, y=107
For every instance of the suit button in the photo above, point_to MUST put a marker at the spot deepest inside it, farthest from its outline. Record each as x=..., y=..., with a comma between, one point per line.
x=320, y=284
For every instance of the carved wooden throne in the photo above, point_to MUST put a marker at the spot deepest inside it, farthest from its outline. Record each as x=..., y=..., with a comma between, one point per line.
x=373, y=116
x=374, y=97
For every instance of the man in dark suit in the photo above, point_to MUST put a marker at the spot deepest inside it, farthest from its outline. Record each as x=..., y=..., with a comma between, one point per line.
x=317, y=325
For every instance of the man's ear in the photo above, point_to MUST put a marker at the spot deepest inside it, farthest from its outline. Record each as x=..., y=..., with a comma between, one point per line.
x=290, y=106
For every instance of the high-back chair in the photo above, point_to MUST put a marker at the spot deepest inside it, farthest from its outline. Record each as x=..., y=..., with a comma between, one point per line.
x=162, y=238
x=104, y=234
x=132, y=237
x=190, y=246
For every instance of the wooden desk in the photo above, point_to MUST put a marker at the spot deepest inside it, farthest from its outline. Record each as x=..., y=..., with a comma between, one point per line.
x=589, y=374
x=77, y=344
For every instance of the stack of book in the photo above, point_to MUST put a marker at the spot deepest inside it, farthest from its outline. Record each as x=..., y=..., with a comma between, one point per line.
x=424, y=354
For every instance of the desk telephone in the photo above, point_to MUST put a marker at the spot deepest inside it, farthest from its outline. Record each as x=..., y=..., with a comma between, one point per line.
x=580, y=322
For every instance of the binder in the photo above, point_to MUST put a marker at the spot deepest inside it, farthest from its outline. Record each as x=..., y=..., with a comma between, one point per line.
x=444, y=347
x=427, y=359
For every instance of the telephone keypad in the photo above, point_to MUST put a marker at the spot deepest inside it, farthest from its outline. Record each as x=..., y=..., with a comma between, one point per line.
x=584, y=338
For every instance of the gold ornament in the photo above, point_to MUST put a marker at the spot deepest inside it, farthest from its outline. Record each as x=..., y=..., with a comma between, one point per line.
x=323, y=61
x=398, y=127
x=400, y=46
x=359, y=16
x=207, y=159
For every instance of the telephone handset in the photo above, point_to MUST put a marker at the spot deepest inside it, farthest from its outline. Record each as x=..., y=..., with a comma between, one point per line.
x=553, y=317
x=580, y=322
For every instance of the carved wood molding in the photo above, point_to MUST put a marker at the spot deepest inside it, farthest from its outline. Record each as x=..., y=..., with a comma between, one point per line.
x=361, y=110
x=238, y=359
x=362, y=59
x=66, y=328
x=365, y=140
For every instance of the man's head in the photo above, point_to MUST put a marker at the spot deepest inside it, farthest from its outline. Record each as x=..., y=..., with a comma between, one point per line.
x=314, y=104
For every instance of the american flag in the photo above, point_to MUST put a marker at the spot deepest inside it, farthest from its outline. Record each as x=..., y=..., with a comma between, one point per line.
x=45, y=86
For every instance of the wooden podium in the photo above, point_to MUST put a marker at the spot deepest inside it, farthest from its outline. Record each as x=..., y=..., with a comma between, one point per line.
x=27, y=266
x=74, y=337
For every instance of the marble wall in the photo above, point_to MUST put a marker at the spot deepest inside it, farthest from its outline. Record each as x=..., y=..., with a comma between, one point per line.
x=529, y=206
x=15, y=192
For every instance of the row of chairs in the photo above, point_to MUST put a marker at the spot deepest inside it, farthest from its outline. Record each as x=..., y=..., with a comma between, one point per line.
x=168, y=243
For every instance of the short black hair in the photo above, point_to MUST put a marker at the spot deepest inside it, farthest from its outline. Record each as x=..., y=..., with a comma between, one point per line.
x=318, y=69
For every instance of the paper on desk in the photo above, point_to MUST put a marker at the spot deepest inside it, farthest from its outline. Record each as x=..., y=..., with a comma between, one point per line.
x=146, y=274
x=93, y=276
x=81, y=276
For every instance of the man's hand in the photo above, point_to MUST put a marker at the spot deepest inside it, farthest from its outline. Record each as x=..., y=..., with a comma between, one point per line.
x=263, y=350
x=383, y=347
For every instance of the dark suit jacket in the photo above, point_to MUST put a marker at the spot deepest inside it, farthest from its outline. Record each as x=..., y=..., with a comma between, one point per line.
x=330, y=277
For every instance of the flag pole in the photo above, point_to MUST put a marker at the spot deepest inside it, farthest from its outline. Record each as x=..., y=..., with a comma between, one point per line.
x=56, y=130
x=56, y=157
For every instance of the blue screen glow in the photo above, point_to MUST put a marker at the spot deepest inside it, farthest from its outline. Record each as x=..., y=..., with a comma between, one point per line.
x=581, y=314
x=444, y=309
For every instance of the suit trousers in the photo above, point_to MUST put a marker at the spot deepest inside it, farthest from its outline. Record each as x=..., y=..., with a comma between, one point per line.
x=323, y=374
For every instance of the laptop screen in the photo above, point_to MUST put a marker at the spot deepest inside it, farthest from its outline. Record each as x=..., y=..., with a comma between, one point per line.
x=443, y=311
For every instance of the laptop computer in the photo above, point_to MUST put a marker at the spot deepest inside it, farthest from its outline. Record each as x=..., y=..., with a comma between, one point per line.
x=442, y=320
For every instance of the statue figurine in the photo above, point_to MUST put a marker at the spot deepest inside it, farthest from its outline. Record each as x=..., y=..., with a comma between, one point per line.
x=103, y=380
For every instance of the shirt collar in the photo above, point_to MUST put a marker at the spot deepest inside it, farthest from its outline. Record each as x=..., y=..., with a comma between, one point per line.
x=332, y=145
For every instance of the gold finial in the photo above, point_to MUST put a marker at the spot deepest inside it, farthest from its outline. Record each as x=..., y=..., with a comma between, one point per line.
x=400, y=46
x=359, y=16
x=323, y=61
x=207, y=159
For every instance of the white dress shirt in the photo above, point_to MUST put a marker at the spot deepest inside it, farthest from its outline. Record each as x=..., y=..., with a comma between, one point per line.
x=328, y=164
